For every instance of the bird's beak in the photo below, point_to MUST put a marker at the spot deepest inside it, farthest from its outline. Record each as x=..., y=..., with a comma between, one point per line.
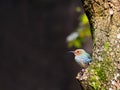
x=71, y=51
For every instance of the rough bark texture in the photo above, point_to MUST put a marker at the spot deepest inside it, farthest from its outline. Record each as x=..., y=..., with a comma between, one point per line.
x=103, y=73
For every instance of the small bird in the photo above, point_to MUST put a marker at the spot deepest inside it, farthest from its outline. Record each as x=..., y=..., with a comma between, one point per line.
x=82, y=57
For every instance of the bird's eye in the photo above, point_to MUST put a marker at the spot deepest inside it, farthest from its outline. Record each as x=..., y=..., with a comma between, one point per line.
x=78, y=52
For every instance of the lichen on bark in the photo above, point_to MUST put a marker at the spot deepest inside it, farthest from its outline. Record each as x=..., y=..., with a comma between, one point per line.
x=103, y=72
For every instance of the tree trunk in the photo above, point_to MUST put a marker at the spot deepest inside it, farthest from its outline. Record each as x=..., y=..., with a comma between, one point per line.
x=104, y=71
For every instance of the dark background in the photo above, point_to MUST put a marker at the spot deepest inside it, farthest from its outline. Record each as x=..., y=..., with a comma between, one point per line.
x=33, y=48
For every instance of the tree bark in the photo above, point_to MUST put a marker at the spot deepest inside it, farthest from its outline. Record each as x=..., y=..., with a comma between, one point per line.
x=104, y=71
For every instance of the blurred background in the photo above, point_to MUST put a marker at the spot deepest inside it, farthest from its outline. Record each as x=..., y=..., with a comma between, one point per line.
x=35, y=37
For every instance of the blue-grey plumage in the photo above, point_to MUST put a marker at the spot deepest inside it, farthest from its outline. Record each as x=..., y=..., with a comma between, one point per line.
x=82, y=57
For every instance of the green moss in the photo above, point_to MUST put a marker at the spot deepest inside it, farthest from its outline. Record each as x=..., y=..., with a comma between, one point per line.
x=94, y=82
x=97, y=77
x=100, y=73
x=106, y=46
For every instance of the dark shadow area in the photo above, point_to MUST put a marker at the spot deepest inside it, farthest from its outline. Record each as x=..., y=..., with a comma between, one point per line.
x=33, y=50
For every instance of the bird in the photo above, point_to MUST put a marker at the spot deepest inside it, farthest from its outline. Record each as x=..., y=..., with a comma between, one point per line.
x=82, y=57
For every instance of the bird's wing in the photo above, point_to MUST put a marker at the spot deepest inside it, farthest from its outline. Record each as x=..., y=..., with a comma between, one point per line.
x=86, y=58
x=89, y=56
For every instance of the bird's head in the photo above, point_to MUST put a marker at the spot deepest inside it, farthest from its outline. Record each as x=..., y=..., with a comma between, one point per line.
x=78, y=52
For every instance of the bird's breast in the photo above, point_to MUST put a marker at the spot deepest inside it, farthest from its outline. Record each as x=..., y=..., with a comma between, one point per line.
x=78, y=59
